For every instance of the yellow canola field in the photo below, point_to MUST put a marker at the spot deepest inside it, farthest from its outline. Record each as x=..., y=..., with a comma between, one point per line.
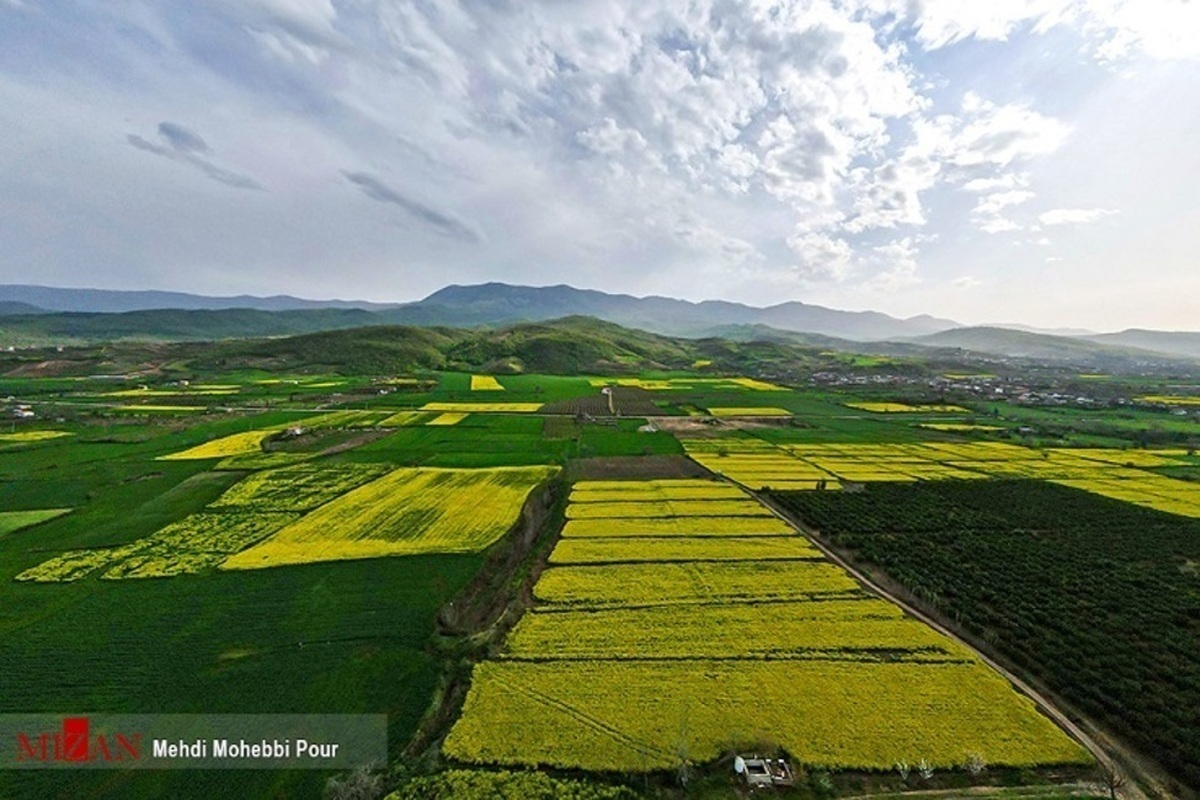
x=195, y=543
x=1169, y=400
x=649, y=486
x=679, y=526
x=855, y=629
x=406, y=512
x=764, y=411
x=714, y=491
x=907, y=408
x=159, y=409
x=232, y=445
x=682, y=548
x=447, y=419
x=693, y=582
x=402, y=418
x=667, y=509
x=21, y=437
x=636, y=716
x=485, y=383
x=483, y=408
x=296, y=488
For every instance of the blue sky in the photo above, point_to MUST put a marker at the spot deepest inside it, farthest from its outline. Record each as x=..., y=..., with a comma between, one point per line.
x=1022, y=161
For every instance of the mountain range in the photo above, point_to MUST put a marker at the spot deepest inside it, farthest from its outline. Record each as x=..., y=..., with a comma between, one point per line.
x=39, y=315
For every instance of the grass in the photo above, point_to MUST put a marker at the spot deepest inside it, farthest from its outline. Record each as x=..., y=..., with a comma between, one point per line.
x=15, y=520
x=332, y=638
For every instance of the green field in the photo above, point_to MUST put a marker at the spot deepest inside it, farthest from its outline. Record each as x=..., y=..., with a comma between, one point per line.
x=114, y=530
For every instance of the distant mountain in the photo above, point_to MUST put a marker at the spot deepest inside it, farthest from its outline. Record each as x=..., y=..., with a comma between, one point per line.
x=499, y=303
x=1042, y=347
x=1180, y=343
x=14, y=307
x=1016, y=326
x=110, y=301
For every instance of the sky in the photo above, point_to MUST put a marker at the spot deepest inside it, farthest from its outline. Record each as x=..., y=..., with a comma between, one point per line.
x=1027, y=161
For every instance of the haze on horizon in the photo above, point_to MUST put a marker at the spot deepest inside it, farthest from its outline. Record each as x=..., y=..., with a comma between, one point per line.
x=1029, y=161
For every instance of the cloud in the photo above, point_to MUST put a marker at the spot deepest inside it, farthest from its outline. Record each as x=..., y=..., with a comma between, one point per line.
x=966, y=282
x=187, y=147
x=1074, y=216
x=442, y=223
x=1114, y=29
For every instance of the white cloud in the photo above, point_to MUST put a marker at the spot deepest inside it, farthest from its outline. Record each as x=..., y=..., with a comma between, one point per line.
x=1074, y=216
x=1164, y=29
x=897, y=261
x=966, y=282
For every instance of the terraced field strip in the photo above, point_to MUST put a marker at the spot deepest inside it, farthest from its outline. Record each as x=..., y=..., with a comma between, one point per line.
x=402, y=418
x=484, y=408
x=667, y=509
x=616, y=550
x=485, y=383
x=667, y=583
x=908, y=408
x=26, y=437
x=449, y=418
x=679, y=526
x=15, y=520
x=748, y=411
x=828, y=714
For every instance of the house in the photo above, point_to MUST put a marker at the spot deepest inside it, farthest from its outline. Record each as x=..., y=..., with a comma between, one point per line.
x=758, y=772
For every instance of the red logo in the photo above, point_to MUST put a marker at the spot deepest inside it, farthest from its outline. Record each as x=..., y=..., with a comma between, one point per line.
x=76, y=744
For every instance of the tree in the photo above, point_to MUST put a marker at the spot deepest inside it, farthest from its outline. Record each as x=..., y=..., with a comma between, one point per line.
x=1112, y=778
x=361, y=784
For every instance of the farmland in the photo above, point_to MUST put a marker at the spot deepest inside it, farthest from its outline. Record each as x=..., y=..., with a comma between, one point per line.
x=1006, y=556
x=643, y=664
x=659, y=621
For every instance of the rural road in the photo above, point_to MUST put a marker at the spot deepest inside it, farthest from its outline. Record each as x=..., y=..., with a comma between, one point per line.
x=1131, y=790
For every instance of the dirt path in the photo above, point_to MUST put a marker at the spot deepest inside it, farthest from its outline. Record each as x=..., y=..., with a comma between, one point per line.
x=1131, y=791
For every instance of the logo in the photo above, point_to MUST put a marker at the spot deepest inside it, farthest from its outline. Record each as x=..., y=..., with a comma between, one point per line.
x=75, y=743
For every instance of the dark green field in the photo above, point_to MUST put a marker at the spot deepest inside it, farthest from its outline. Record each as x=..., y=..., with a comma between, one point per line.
x=1097, y=597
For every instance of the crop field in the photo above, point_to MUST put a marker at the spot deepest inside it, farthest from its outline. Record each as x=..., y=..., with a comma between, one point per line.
x=749, y=411
x=485, y=383
x=483, y=408
x=406, y=512
x=617, y=550
x=1124, y=646
x=647, y=651
x=626, y=401
x=16, y=520
x=448, y=418
x=681, y=526
x=26, y=437
x=1118, y=474
x=296, y=488
x=659, y=490
x=908, y=408
x=196, y=543
x=233, y=445
x=402, y=418
x=681, y=384
x=1170, y=400
x=150, y=408
x=667, y=509
x=341, y=637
